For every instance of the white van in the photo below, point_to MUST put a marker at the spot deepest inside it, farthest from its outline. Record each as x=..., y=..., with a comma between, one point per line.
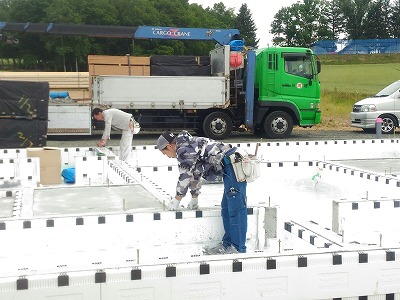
x=384, y=105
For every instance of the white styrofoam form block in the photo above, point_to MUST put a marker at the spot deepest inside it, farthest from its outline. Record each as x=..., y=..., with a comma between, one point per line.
x=289, y=185
x=312, y=276
x=368, y=221
x=101, y=170
x=329, y=150
x=26, y=169
x=267, y=151
x=91, y=169
x=68, y=155
x=292, y=151
x=58, y=241
x=13, y=153
x=313, y=238
x=43, y=288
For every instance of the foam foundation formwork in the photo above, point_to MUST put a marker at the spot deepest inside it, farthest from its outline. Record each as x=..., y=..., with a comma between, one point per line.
x=297, y=250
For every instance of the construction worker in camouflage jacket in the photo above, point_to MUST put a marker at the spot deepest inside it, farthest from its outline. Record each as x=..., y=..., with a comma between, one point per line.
x=202, y=157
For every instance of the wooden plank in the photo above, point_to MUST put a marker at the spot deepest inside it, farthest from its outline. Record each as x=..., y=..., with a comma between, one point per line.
x=118, y=60
x=56, y=80
x=75, y=83
x=95, y=70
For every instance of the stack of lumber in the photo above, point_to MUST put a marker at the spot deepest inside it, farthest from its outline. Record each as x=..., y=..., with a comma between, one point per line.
x=118, y=65
x=75, y=83
x=78, y=84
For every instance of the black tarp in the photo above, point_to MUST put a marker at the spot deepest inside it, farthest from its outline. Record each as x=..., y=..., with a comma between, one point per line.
x=179, y=60
x=14, y=90
x=24, y=108
x=24, y=98
x=176, y=65
x=22, y=133
x=180, y=70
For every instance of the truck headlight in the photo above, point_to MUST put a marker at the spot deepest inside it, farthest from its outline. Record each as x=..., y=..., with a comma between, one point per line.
x=367, y=108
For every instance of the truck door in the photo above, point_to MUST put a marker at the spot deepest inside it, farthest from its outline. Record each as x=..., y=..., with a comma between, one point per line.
x=298, y=80
x=300, y=86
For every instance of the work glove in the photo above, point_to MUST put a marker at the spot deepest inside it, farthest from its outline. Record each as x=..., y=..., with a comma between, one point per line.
x=193, y=204
x=173, y=204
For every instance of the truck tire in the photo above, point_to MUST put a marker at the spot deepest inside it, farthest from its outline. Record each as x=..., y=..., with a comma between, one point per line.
x=388, y=124
x=278, y=124
x=217, y=125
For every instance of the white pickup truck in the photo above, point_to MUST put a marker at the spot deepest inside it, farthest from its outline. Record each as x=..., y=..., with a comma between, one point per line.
x=384, y=105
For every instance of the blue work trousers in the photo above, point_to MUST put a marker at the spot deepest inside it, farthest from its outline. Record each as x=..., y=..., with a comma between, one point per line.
x=234, y=209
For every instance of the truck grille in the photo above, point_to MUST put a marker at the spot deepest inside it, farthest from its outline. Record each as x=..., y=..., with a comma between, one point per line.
x=356, y=108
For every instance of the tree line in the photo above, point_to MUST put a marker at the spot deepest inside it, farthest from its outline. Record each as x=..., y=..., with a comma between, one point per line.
x=301, y=24
x=304, y=23
x=69, y=53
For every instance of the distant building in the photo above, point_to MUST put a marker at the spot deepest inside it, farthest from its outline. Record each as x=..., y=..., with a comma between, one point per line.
x=357, y=46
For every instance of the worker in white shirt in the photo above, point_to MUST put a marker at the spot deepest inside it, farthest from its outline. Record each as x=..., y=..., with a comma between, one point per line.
x=119, y=120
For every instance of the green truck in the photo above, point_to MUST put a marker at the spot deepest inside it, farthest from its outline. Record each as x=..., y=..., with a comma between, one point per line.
x=286, y=90
x=267, y=91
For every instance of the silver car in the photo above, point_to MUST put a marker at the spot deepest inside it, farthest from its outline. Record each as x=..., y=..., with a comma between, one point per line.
x=384, y=105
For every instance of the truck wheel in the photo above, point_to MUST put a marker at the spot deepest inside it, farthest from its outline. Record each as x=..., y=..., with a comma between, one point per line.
x=278, y=124
x=388, y=124
x=217, y=125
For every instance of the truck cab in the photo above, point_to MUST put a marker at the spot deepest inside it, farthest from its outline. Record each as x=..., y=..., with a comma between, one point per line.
x=287, y=90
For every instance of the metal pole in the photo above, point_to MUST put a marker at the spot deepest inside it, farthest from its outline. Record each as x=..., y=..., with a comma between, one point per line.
x=129, y=64
x=378, y=128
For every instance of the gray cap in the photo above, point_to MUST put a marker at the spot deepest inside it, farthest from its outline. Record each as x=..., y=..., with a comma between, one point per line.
x=165, y=139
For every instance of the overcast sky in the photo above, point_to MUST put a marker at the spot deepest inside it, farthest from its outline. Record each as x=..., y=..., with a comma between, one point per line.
x=263, y=13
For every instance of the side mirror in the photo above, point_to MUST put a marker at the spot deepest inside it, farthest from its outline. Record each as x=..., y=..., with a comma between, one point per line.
x=318, y=66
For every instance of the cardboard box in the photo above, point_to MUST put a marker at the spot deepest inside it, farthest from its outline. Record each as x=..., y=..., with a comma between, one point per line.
x=50, y=164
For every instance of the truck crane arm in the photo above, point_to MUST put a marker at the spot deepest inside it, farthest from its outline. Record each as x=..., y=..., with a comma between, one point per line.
x=221, y=36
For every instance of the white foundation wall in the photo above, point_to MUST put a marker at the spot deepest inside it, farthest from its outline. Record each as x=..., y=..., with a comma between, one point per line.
x=329, y=150
x=295, y=253
x=348, y=275
x=294, y=151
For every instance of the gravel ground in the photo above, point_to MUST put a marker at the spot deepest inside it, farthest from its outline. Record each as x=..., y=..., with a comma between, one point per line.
x=149, y=138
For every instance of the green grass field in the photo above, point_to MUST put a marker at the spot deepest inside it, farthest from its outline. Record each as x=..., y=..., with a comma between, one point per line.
x=359, y=79
x=345, y=79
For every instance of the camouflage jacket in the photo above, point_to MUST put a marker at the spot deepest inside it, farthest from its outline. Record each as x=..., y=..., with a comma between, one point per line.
x=197, y=157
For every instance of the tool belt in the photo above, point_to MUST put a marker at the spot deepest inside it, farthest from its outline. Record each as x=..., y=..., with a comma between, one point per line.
x=245, y=166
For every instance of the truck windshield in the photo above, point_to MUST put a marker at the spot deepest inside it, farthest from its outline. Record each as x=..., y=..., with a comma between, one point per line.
x=299, y=64
x=389, y=90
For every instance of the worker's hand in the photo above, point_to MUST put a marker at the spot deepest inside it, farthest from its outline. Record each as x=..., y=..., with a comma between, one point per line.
x=173, y=204
x=101, y=143
x=193, y=204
